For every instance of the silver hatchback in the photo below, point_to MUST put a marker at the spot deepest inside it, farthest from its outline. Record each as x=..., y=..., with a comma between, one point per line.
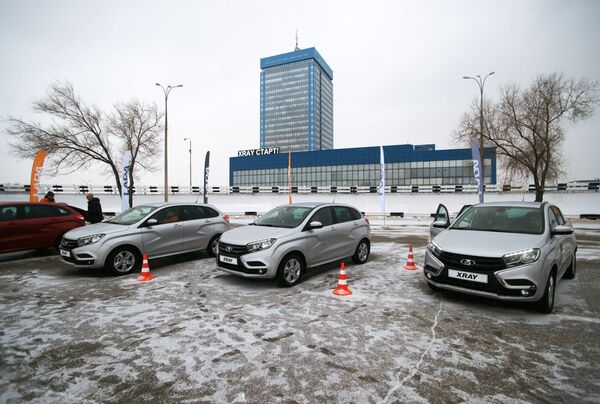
x=159, y=230
x=506, y=251
x=287, y=240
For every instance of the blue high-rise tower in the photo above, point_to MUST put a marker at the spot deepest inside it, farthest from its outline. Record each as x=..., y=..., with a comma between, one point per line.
x=296, y=101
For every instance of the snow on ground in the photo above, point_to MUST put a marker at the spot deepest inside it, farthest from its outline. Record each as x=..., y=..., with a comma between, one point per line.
x=198, y=334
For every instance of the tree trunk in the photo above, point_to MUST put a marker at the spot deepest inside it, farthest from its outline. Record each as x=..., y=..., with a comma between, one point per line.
x=117, y=178
x=539, y=194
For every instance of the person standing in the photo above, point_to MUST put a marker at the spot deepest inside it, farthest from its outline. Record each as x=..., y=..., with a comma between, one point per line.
x=48, y=198
x=94, y=209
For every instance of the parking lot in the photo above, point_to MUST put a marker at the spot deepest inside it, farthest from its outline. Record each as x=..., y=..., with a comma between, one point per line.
x=198, y=334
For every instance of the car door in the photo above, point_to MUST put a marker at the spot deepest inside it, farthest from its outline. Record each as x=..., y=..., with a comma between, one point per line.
x=166, y=236
x=556, y=242
x=10, y=231
x=345, y=239
x=198, y=227
x=319, y=244
x=562, y=241
x=41, y=225
x=441, y=221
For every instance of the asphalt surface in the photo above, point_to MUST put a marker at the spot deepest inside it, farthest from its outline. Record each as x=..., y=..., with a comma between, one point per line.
x=196, y=334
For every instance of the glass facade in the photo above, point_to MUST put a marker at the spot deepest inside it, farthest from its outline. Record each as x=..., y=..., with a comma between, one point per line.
x=296, y=102
x=405, y=165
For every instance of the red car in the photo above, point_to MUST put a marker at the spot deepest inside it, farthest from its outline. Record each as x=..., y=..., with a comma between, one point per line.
x=28, y=225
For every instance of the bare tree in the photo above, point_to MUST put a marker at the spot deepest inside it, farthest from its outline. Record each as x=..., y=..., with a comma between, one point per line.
x=138, y=126
x=527, y=126
x=80, y=135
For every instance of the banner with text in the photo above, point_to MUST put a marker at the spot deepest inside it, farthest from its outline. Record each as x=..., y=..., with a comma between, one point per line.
x=36, y=175
x=477, y=172
x=206, y=170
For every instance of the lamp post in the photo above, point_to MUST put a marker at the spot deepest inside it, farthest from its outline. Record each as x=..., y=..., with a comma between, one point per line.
x=481, y=84
x=166, y=91
x=187, y=138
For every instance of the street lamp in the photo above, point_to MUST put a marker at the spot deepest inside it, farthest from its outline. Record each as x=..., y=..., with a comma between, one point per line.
x=167, y=90
x=187, y=138
x=481, y=84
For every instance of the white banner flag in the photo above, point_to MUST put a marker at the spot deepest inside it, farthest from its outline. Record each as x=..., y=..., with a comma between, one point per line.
x=382, y=181
x=125, y=163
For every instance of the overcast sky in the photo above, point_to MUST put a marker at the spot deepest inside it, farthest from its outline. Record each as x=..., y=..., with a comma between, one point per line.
x=397, y=67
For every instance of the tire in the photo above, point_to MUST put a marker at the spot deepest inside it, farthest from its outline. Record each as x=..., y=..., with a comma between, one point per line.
x=57, y=242
x=570, y=273
x=290, y=270
x=213, y=246
x=123, y=261
x=361, y=255
x=546, y=303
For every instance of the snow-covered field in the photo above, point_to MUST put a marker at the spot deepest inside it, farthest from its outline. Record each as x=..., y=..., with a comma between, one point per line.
x=196, y=334
x=571, y=203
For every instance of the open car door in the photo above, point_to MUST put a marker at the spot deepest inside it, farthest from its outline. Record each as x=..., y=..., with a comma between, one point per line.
x=441, y=221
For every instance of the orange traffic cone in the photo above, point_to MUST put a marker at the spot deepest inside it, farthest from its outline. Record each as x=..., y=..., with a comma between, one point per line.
x=342, y=287
x=410, y=265
x=145, y=275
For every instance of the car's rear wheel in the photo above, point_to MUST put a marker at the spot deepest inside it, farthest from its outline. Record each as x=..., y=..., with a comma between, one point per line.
x=546, y=303
x=123, y=261
x=361, y=255
x=213, y=246
x=290, y=270
x=570, y=274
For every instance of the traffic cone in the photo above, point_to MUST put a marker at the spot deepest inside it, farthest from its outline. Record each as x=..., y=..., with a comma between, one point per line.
x=145, y=275
x=342, y=287
x=410, y=265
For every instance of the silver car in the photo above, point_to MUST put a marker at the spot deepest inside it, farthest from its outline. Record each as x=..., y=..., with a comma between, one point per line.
x=287, y=240
x=160, y=230
x=506, y=251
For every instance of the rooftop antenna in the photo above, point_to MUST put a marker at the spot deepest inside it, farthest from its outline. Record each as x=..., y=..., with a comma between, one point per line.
x=296, y=48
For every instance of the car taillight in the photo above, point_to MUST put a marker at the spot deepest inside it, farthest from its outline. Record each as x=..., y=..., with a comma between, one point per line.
x=226, y=218
x=367, y=220
x=79, y=217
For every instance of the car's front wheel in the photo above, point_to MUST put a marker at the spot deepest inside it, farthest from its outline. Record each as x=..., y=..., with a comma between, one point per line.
x=570, y=274
x=361, y=255
x=213, y=246
x=290, y=270
x=546, y=303
x=123, y=261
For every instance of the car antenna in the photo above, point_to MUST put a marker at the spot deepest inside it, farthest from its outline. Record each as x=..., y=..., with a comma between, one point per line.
x=334, y=195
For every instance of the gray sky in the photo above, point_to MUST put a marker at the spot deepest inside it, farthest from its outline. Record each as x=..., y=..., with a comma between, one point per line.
x=397, y=66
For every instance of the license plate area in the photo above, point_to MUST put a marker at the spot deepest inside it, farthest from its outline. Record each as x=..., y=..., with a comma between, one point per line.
x=228, y=260
x=65, y=253
x=467, y=276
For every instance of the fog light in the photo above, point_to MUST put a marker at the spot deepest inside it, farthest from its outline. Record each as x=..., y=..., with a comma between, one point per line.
x=428, y=276
x=525, y=292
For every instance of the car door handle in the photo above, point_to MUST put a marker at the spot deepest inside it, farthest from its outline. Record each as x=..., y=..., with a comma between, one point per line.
x=355, y=224
x=332, y=229
x=208, y=221
x=177, y=225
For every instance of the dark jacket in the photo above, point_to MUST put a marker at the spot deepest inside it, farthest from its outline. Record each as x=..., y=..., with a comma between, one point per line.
x=95, y=211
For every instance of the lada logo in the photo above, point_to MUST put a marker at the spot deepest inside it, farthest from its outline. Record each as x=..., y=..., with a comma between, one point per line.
x=467, y=262
x=228, y=249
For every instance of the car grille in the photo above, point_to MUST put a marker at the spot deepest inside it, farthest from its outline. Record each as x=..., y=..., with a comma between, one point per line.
x=67, y=244
x=484, y=264
x=233, y=250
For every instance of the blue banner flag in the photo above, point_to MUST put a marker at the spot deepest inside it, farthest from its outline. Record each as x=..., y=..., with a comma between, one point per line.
x=477, y=172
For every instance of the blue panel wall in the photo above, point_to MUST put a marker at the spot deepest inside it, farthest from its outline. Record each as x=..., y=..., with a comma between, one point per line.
x=296, y=56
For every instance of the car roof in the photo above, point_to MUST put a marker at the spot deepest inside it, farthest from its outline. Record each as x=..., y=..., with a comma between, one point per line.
x=317, y=204
x=161, y=204
x=519, y=204
x=13, y=203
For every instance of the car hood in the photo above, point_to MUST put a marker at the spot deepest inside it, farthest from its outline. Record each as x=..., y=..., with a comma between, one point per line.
x=486, y=243
x=97, y=228
x=247, y=234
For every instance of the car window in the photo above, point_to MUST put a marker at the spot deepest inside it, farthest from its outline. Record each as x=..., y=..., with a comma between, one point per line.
x=342, y=214
x=193, y=212
x=552, y=219
x=284, y=216
x=171, y=214
x=39, y=211
x=355, y=214
x=8, y=213
x=62, y=211
x=504, y=219
x=323, y=215
x=210, y=212
x=559, y=217
x=131, y=216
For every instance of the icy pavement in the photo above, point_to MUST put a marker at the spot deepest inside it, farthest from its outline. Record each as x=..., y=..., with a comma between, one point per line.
x=196, y=334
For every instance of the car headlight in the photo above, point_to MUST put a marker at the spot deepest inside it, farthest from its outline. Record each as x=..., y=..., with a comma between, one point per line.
x=260, y=244
x=89, y=239
x=434, y=248
x=521, y=257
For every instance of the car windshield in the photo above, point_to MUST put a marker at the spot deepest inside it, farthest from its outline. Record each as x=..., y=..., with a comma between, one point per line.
x=284, y=216
x=502, y=219
x=131, y=216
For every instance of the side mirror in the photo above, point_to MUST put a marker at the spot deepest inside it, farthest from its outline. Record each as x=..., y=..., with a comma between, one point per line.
x=562, y=230
x=315, y=225
x=441, y=224
x=151, y=222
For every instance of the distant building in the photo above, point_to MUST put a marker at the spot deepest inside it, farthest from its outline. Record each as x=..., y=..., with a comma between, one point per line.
x=296, y=102
x=404, y=165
